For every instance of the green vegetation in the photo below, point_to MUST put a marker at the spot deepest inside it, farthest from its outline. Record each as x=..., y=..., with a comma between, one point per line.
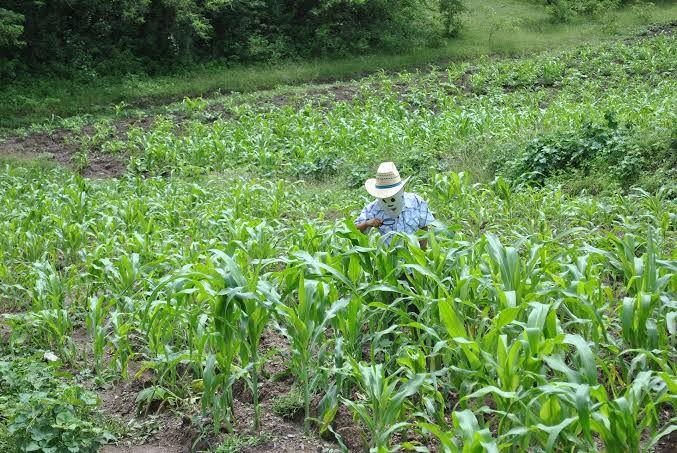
x=601, y=115
x=559, y=305
x=38, y=412
x=95, y=36
x=235, y=443
x=509, y=27
x=542, y=315
x=288, y=405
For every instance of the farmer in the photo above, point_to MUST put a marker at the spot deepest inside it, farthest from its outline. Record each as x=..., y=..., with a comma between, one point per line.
x=394, y=210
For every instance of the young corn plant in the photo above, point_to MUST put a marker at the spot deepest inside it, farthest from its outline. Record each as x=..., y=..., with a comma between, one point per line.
x=254, y=299
x=473, y=437
x=96, y=328
x=384, y=400
x=216, y=285
x=305, y=323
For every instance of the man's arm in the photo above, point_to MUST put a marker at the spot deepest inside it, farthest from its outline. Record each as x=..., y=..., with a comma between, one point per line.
x=362, y=226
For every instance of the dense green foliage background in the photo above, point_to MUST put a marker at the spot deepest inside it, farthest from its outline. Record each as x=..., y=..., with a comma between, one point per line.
x=126, y=35
x=94, y=37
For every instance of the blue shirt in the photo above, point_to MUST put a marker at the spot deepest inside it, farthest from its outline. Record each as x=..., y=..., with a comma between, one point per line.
x=414, y=216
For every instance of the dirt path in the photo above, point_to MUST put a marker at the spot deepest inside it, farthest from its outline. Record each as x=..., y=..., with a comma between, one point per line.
x=62, y=147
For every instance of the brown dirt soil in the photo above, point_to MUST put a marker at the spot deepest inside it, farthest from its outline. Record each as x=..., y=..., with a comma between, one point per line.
x=61, y=146
x=285, y=436
x=655, y=30
x=667, y=444
x=5, y=330
x=176, y=429
x=174, y=434
x=348, y=429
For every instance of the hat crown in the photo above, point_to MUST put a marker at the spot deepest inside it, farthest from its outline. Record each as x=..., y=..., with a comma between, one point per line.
x=387, y=181
x=387, y=174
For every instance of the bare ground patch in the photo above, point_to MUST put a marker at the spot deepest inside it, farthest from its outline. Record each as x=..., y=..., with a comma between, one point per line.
x=62, y=146
x=184, y=429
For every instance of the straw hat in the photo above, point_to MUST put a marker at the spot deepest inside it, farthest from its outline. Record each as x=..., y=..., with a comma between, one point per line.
x=387, y=182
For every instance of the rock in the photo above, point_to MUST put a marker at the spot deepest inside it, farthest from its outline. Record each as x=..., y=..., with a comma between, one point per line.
x=50, y=357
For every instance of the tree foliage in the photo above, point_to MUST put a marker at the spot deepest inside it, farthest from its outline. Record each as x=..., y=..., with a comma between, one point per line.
x=96, y=36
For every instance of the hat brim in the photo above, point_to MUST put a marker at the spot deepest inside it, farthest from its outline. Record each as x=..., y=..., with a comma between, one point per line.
x=370, y=185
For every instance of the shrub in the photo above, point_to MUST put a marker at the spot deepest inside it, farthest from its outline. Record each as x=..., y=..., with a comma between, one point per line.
x=11, y=29
x=451, y=11
x=616, y=151
x=566, y=10
x=41, y=413
x=57, y=422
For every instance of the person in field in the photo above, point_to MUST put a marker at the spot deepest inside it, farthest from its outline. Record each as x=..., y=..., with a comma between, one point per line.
x=394, y=210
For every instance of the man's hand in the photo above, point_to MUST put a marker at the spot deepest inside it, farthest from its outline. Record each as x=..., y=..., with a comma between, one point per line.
x=374, y=223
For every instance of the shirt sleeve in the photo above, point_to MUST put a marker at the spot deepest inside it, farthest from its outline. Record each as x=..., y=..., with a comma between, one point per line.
x=425, y=217
x=364, y=215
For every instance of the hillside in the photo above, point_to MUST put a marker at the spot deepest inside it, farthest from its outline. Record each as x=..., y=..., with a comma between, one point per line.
x=188, y=276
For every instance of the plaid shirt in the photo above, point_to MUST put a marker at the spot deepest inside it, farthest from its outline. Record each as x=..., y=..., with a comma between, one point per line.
x=414, y=216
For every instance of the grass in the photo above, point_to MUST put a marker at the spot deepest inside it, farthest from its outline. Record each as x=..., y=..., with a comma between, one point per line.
x=509, y=27
x=288, y=405
x=234, y=443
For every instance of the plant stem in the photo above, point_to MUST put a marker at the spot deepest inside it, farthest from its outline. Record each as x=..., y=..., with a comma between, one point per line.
x=255, y=387
x=306, y=402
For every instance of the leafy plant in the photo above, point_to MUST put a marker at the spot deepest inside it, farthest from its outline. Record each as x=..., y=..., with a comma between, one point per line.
x=288, y=405
x=384, y=399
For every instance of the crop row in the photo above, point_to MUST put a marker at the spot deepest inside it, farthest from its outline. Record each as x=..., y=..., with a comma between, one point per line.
x=533, y=320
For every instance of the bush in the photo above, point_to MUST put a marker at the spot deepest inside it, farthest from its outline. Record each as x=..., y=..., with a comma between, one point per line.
x=57, y=422
x=451, y=11
x=41, y=413
x=566, y=10
x=11, y=29
x=617, y=152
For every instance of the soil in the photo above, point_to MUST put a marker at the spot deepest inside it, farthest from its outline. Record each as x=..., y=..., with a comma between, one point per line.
x=182, y=429
x=347, y=429
x=655, y=30
x=61, y=146
x=6, y=330
x=667, y=444
x=173, y=431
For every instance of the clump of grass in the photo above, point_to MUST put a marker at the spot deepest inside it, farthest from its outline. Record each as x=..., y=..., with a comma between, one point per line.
x=289, y=405
x=233, y=443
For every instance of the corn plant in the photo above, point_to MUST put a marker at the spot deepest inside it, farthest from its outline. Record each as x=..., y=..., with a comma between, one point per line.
x=384, y=400
x=473, y=437
x=96, y=329
x=254, y=302
x=305, y=322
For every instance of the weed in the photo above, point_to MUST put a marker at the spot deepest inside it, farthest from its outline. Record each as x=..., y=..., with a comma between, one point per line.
x=289, y=405
x=234, y=443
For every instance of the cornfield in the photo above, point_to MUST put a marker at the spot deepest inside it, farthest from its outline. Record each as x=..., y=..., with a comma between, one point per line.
x=535, y=320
